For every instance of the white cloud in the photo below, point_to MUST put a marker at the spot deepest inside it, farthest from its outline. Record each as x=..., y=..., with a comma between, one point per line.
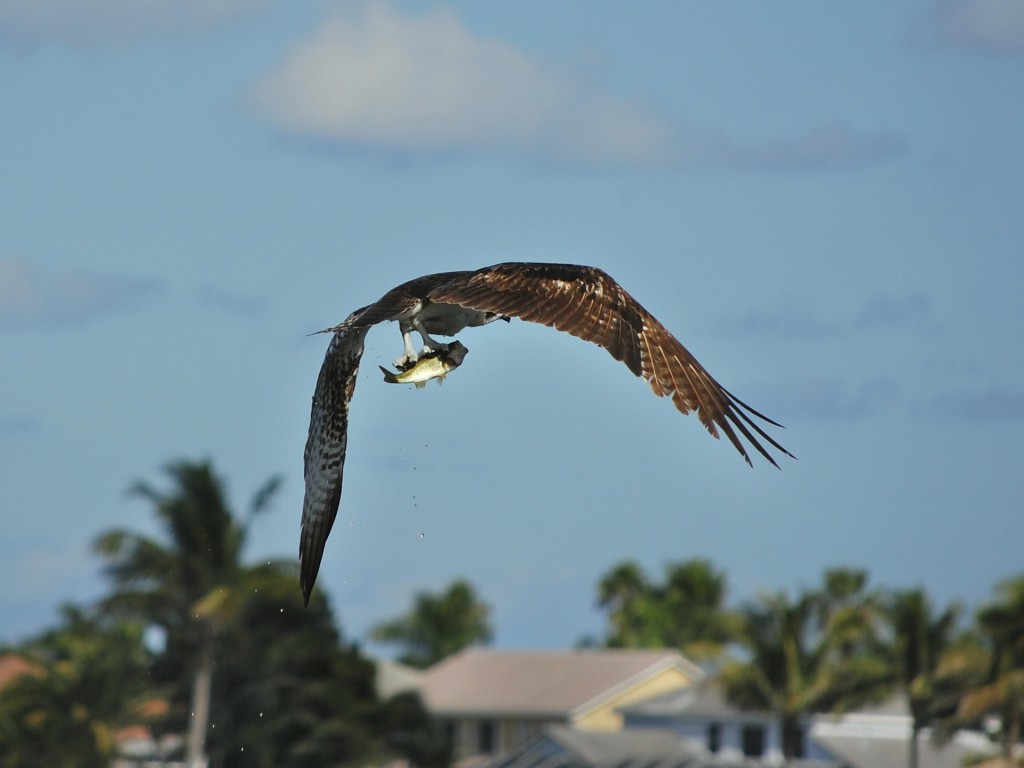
x=28, y=23
x=372, y=78
x=424, y=84
x=981, y=25
x=28, y=298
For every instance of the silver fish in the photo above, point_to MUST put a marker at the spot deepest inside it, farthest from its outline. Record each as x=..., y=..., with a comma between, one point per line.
x=434, y=365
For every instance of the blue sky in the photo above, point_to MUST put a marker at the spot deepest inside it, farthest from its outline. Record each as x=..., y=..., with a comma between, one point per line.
x=822, y=201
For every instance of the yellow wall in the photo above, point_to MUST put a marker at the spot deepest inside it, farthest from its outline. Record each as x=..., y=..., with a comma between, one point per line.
x=605, y=718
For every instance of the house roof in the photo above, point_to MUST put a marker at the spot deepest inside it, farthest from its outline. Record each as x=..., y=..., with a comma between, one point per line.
x=548, y=684
x=876, y=736
x=639, y=746
x=13, y=666
x=860, y=752
x=564, y=747
x=393, y=678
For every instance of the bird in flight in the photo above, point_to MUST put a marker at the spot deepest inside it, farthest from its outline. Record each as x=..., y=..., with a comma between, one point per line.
x=583, y=301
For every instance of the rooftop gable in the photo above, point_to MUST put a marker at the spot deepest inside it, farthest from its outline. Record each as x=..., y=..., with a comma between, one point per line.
x=550, y=684
x=13, y=666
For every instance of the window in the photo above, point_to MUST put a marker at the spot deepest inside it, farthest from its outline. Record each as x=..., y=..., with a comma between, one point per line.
x=486, y=737
x=714, y=738
x=752, y=739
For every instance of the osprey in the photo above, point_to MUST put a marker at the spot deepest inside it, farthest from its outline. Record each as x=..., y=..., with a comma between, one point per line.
x=582, y=301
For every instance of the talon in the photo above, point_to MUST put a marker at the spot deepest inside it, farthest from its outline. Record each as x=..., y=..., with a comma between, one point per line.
x=406, y=361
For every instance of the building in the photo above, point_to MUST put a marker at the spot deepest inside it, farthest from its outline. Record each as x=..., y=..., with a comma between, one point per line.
x=495, y=702
x=646, y=709
x=704, y=719
x=872, y=737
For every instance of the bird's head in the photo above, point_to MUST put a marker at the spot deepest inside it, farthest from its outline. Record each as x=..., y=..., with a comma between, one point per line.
x=456, y=352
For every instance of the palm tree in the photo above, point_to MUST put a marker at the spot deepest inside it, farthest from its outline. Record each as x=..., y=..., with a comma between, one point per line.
x=807, y=655
x=783, y=674
x=184, y=582
x=992, y=666
x=686, y=611
x=624, y=593
x=438, y=625
x=919, y=638
x=694, y=598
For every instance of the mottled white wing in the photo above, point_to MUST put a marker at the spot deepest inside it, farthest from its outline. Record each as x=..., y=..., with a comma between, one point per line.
x=325, y=449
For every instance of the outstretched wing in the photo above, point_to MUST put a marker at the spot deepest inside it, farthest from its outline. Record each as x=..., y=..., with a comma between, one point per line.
x=325, y=448
x=587, y=303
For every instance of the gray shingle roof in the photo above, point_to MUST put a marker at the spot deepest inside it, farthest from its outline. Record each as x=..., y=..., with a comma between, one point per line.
x=565, y=747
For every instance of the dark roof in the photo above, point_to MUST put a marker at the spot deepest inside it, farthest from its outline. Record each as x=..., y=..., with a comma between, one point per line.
x=564, y=747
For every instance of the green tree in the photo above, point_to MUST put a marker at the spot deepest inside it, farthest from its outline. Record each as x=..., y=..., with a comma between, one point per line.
x=809, y=654
x=988, y=666
x=85, y=681
x=290, y=693
x=918, y=639
x=686, y=612
x=438, y=625
x=410, y=732
x=186, y=582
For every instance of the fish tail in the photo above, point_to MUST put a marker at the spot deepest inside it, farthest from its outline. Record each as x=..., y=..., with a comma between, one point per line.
x=389, y=377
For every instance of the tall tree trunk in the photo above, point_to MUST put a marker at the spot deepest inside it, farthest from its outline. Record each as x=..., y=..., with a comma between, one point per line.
x=792, y=738
x=1012, y=725
x=914, y=755
x=195, y=752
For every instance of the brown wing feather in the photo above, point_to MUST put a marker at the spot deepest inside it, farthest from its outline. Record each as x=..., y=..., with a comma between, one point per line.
x=325, y=449
x=587, y=303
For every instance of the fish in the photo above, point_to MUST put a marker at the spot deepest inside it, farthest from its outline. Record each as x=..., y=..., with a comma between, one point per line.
x=434, y=365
